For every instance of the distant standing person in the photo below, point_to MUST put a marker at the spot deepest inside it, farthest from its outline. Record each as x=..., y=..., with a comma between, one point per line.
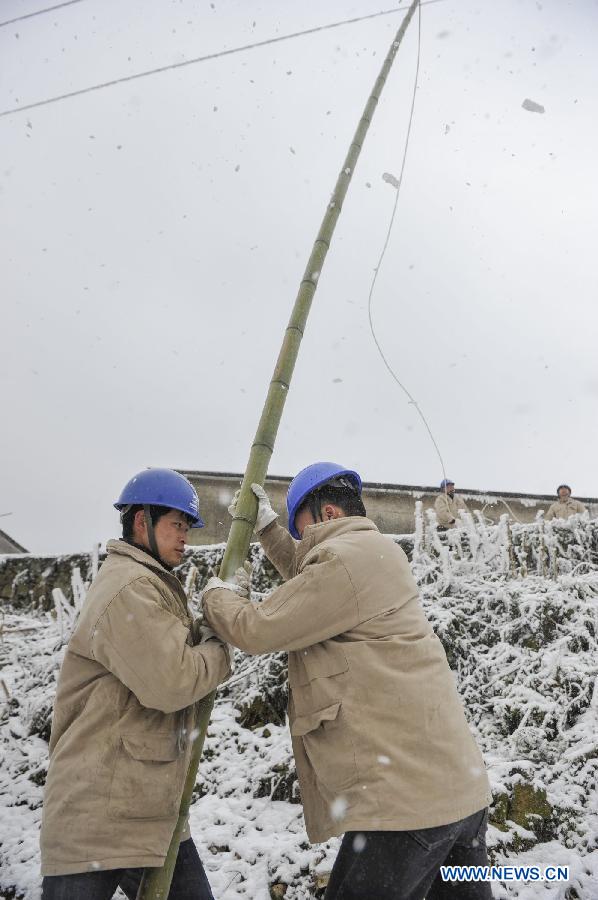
x=448, y=507
x=565, y=506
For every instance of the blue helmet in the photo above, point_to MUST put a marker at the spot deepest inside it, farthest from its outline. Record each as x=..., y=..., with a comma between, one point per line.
x=308, y=480
x=162, y=487
x=445, y=483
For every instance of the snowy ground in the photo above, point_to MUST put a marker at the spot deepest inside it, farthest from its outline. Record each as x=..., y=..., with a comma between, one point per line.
x=523, y=645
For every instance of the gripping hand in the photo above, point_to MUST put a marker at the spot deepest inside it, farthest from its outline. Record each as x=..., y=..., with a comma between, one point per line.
x=265, y=513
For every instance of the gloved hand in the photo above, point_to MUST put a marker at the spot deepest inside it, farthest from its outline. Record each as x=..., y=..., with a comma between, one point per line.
x=241, y=583
x=265, y=513
x=243, y=579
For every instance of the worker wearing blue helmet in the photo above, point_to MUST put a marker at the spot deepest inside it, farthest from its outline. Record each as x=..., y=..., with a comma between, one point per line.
x=125, y=708
x=383, y=751
x=308, y=484
x=449, y=506
x=151, y=495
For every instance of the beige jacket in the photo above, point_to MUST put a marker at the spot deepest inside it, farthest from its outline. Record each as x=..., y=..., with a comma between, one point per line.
x=379, y=735
x=564, y=509
x=448, y=509
x=119, y=748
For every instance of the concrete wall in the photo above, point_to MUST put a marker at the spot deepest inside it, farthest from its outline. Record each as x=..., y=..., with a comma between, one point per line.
x=390, y=506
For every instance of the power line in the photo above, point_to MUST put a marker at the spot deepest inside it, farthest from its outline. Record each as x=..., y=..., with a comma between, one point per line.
x=40, y=12
x=199, y=59
x=410, y=397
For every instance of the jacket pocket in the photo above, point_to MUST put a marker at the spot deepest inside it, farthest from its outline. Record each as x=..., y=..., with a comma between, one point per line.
x=317, y=661
x=279, y=598
x=146, y=781
x=328, y=746
x=433, y=838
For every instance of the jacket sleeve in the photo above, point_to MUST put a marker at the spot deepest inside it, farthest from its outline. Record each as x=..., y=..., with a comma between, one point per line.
x=280, y=548
x=579, y=507
x=551, y=512
x=316, y=605
x=146, y=648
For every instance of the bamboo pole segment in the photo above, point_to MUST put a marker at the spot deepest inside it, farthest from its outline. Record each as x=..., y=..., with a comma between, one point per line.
x=155, y=884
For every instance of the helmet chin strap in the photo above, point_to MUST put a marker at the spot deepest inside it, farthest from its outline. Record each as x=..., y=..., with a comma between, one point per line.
x=150, y=530
x=315, y=506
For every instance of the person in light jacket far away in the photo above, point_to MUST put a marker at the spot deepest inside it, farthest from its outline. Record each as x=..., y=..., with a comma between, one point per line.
x=383, y=751
x=448, y=506
x=124, y=714
x=565, y=506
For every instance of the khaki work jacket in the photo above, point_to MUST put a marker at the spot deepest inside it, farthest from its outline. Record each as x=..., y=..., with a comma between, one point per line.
x=379, y=735
x=448, y=509
x=120, y=746
x=565, y=509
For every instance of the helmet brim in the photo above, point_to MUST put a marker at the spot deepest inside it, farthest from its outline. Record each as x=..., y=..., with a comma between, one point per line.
x=198, y=522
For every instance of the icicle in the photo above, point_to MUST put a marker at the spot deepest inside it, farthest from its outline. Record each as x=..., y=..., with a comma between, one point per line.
x=79, y=591
x=95, y=560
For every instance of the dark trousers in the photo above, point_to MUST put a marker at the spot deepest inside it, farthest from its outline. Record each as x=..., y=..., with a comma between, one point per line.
x=405, y=865
x=189, y=881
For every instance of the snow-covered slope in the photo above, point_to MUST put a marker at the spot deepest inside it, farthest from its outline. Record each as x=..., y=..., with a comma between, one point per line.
x=517, y=611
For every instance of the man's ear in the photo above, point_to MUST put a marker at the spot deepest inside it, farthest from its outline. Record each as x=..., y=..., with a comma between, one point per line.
x=330, y=511
x=139, y=526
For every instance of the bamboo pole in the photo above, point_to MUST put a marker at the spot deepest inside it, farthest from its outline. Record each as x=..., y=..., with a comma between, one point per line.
x=155, y=884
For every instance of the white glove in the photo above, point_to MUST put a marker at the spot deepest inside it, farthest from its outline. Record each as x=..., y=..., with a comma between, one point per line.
x=243, y=579
x=241, y=583
x=265, y=513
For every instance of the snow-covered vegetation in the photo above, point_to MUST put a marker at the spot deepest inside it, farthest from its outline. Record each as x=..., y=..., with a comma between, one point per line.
x=517, y=610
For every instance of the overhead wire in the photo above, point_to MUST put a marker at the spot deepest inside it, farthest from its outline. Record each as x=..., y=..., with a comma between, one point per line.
x=504, y=502
x=39, y=12
x=410, y=397
x=199, y=59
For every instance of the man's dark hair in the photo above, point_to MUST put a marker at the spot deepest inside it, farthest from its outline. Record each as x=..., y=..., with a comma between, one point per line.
x=127, y=517
x=563, y=486
x=344, y=495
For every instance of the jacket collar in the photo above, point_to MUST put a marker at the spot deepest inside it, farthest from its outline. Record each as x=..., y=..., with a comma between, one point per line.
x=325, y=531
x=122, y=548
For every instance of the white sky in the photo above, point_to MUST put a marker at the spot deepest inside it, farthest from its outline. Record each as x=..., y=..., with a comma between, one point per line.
x=154, y=233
